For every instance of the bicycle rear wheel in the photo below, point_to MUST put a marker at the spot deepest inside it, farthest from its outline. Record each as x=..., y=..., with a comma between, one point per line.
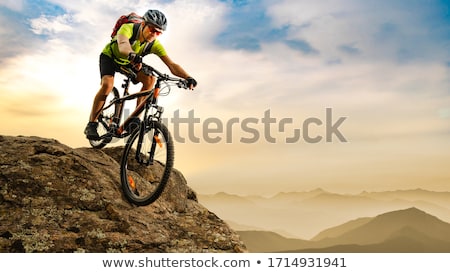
x=146, y=164
x=104, y=121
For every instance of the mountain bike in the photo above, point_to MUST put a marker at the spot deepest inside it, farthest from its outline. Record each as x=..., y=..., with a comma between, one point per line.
x=148, y=156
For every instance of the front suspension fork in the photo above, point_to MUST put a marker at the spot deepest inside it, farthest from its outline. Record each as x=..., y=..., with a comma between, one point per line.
x=155, y=138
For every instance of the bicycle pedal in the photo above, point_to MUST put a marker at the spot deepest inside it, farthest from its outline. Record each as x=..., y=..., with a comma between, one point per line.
x=108, y=137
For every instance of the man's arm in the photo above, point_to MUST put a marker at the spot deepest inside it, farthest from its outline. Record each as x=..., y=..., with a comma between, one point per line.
x=174, y=68
x=125, y=50
x=124, y=45
x=177, y=70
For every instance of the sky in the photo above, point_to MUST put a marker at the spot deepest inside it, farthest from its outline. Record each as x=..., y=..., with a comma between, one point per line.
x=347, y=96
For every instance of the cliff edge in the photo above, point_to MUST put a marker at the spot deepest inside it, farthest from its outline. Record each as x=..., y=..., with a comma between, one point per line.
x=54, y=198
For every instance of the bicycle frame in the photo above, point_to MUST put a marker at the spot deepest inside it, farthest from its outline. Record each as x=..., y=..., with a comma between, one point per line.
x=151, y=101
x=149, y=144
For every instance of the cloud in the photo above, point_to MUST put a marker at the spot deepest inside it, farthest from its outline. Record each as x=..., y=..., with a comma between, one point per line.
x=245, y=26
x=51, y=24
x=15, y=5
x=391, y=30
x=302, y=46
x=349, y=49
x=248, y=26
x=382, y=64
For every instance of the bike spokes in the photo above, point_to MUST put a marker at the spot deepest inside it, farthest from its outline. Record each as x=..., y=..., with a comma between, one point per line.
x=146, y=164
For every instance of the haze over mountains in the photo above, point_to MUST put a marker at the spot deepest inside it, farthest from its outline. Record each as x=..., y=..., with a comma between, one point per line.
x=409, y=230
x=303, y=215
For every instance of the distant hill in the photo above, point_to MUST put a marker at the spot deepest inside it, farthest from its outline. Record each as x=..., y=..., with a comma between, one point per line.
x=319, y=210
x=236, y=226
x=341, y=229
x=405, y=241
x=409, y=230
x=438, y=198
x=385, y=225
x=266, y=241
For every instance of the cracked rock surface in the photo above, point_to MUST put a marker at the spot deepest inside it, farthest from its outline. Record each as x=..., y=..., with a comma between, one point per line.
x=54, y=198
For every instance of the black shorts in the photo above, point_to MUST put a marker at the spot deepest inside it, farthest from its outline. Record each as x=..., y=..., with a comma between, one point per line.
x=107, y=66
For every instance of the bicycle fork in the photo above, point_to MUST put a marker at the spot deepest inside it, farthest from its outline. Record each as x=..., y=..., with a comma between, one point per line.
x=155, y=138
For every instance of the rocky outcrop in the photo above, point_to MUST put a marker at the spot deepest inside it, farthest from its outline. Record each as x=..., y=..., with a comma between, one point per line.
x=54, y=198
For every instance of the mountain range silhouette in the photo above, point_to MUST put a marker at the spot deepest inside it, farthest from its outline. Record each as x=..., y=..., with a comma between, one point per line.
x=414, y=220
x=405, y=231
x=302, y=215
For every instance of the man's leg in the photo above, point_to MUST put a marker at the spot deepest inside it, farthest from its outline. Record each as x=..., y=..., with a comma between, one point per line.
x=107, y=71
x=147, y=83
x=107, y=84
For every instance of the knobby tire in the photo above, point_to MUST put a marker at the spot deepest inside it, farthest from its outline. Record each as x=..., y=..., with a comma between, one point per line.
x=143, y=183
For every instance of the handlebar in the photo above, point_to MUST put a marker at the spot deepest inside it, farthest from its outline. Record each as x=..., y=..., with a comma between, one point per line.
x=149, y=70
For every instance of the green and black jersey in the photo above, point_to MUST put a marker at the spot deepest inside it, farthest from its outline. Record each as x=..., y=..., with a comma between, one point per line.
x=112, y=49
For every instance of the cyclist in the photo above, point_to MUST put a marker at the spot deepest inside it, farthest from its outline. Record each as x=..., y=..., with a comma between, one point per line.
x=120, y=52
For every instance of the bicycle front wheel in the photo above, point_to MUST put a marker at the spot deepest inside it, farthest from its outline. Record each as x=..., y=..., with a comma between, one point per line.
x=146, y=164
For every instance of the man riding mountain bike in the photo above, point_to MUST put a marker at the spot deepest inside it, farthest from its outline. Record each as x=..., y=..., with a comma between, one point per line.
x=122, y=51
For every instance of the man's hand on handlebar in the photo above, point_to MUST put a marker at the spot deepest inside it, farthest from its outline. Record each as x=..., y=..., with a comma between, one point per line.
x=191, y=83
x=136, y=60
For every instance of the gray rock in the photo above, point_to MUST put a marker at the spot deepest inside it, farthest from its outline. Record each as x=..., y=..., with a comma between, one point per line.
x=54, y=198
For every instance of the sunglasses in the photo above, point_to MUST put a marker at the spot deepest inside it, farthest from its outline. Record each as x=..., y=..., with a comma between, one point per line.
x=155, y=30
